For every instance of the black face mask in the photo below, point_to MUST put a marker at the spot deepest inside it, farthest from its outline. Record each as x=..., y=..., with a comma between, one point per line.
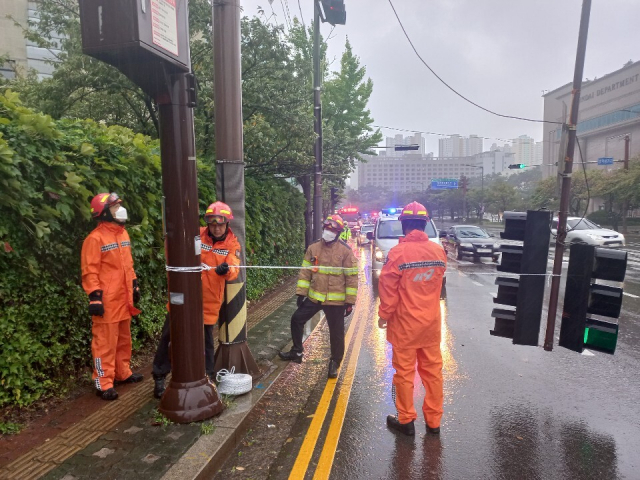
x=220, y=238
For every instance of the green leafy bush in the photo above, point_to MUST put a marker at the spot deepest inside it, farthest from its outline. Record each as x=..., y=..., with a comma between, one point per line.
x=48, y=172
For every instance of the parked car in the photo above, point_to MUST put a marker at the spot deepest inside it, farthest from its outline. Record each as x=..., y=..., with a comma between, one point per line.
x=386, y=235
x=362, y=235
x=470, y=240
x=581, y=230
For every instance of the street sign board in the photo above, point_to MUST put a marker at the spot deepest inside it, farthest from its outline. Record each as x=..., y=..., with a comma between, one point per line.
x=444, y=183
x=605, y=161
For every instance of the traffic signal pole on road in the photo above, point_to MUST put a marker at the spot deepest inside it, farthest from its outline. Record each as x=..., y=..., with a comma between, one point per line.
x=159, y=64
x=566, y=175
x=233, y=350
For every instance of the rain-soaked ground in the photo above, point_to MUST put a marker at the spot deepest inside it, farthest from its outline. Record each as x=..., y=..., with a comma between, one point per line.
x=510, y=411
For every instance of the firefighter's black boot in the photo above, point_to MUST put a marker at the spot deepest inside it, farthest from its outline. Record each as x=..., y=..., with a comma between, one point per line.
x=291, y=356
x=158, y=388
x=108, y=394
x=435, y=430
x=133, y=378
x=406, y=428
x=333, y=369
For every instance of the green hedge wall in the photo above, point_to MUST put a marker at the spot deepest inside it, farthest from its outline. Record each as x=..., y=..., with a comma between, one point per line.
x=48, y=172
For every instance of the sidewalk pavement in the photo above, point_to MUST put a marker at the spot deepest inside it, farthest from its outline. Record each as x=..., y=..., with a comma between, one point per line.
x=129, y=439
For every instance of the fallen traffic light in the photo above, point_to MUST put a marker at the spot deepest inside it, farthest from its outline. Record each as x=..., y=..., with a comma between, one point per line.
x=334, y=12
x=583, y=297
x=526, y=292
x=517, y=165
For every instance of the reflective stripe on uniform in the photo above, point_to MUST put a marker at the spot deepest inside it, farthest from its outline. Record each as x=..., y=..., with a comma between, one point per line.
x=303, y=283
x=316, y=295
x=351, y=291
x=336, y=296
x=425, y=264
x=330, y=270
x=351, y=271
x=305, y=263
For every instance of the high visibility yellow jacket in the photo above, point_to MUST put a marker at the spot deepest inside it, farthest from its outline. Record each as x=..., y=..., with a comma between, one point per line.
x=333, y=274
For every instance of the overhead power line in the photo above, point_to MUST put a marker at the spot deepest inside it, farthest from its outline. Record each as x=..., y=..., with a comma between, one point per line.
x=437, y=134
x=453, y=89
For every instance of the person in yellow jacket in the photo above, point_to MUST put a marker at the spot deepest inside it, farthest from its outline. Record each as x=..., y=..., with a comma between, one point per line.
x=112, y=286
x=345, y=235
x=328, y=281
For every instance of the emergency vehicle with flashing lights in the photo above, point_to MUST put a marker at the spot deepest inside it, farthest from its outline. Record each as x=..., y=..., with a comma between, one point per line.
x=351, y=216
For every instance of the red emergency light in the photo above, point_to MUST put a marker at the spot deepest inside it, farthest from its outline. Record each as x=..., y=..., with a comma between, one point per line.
x=349, y=210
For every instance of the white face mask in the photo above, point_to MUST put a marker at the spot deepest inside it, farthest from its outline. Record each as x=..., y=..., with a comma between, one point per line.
x=329, y=236
x=121, y=215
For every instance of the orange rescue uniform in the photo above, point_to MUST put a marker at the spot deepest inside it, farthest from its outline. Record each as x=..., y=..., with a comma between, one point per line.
x=410, y=284
x=213, y=254
x=107, y=265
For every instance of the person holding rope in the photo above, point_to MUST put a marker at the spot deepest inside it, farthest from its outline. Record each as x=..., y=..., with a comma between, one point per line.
x=328, y=281
x=110, y=282
x=220, y=252
x=409, y=288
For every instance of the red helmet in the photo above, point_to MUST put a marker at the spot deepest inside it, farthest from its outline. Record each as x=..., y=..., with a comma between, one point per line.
x=334, y=223
x=218, y=212
x=103, y=201
x=414, y=211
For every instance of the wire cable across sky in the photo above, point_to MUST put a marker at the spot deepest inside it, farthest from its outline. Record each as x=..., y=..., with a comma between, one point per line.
x=453, y=89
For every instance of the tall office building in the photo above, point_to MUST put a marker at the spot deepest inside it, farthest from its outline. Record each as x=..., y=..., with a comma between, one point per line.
x=458, y=146
x=523, y=148
x=22, y=54
x=609, y=110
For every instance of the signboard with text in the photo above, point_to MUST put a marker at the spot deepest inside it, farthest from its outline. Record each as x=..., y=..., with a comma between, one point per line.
x=444, y=183
x=605, y=161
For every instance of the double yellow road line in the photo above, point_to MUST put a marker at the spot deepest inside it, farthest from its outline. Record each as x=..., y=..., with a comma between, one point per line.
x=333, y=435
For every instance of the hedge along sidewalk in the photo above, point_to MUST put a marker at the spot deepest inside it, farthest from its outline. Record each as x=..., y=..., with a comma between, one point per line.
x=108, y=439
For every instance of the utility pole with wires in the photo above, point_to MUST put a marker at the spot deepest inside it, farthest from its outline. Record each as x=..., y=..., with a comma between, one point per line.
x=335, y=14
x=566, y=174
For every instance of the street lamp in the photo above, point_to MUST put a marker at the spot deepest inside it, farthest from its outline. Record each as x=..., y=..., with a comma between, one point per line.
x=481, y=167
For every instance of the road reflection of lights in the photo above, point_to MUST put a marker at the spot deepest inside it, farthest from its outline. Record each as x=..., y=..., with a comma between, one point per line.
x=449, y=364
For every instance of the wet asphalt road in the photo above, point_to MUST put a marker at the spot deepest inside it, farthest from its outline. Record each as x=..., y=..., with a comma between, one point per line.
x=510, y=411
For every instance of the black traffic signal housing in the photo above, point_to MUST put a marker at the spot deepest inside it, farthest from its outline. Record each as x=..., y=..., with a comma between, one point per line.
x=526, y=292
x=584, y=297
x=334, y=12
x=334, y=197
x=517, y=165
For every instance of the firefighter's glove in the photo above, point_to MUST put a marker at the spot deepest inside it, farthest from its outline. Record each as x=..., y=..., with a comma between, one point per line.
x=382, y=323
x=348, y=308
x=95, y=303
x=222, y=269
x=136, y=291
x=300, y=300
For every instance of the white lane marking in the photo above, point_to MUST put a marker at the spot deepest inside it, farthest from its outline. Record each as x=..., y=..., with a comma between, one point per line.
x=630, y=295
x=587, y=353
x=477, y=284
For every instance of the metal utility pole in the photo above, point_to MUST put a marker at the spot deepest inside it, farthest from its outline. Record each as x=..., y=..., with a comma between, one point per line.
x=317, y=116
x=625, y=203
x=566, y=175
x=232, y=333
x=152, y=50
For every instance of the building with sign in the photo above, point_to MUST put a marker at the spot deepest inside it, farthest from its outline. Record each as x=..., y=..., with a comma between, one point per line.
x=412, y=172
x=22, y=54
x=609, y=110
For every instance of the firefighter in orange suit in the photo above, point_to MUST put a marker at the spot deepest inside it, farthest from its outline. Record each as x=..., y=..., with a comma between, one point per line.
x=409, y=288
x=110, y=281
x=220, y=252
x=328, y=281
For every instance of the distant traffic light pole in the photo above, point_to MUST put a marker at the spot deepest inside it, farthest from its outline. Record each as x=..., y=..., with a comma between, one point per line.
x=334, y=13
x=566, y=176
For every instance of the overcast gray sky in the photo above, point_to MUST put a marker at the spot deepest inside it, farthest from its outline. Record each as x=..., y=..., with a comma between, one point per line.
x=500, y=53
